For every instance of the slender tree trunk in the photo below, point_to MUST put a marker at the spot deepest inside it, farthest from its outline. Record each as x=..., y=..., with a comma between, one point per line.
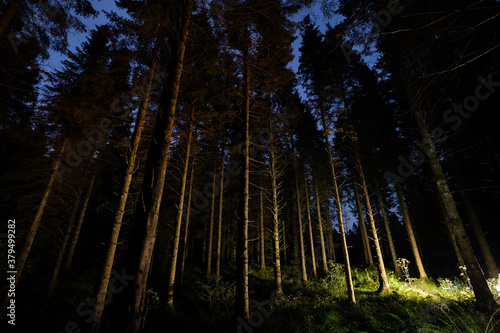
x=275, y=212
x=284, y=235
x=362, y=226
x=491, y=265
x=242, y=305
x=219, y=226
x=79, y=223
x=311, y=236
x=483, y=294
x=350, y=286
x=62, y=248
x=120, y=209
x=186, y=231
x=23, y=255
x=392, y=248
x=262, y=230
x=409, y=231
x=384, y=283
x=144, y=230
x=211, y=227
x=64, y=243
x=180, y=210
x=320, y=227
x=300, y=231
x=8, y=13
x=330, y=230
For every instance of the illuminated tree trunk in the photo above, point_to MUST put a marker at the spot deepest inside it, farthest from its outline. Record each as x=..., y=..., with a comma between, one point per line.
x=382, y=274
x=300, y=231
x=409, y=232
x=362, y=226
x=275, y=212
x=345, y=251
x=242, y=305
x=394, y=256
x=186, y=229
x=262, y=230
x=321, y=229
x=311, y=237
x=491, y=265
x=211, y=226
x=219, y=226
x=131, y=301
x=120, y=210
x=483, y=294
x=180, y=210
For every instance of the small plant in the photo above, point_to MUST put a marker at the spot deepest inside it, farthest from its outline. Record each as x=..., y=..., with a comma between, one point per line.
x=151, y=299
x=465, y=276
x=404, y=264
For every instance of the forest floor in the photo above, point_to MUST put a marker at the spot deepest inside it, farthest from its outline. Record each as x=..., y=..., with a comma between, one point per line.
x=206, y=304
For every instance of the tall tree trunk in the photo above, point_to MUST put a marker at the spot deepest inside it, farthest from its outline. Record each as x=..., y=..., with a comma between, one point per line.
x=120, y=209
x=275, y=212
x=491, y=265
x=284, y=234
x=362, y=226
x=186, y=229
x=345, y=251
x=409, y=232
x=8, y=13
x=262, y=230
x=23, y=255
x=483, y=294
x=242, y=305
x=330, y=231
x=211, y=226
x=392, y=248
x=320, y=227
x=141, y=246
x=300, y=231
x=64, y=243
x=180, y=211
x=79, y=223
x=311, y=236
x=383, y=282
x=219, y=226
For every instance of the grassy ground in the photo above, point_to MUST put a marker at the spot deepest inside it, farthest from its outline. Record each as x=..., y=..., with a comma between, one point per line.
x=321, y=306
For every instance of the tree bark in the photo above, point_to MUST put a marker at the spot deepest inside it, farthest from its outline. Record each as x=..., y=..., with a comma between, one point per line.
x=397, y=269
x=211, y=226
x=330, y=231
x=488, y=257
x=320, y=227
x=180, y=210
x=219, y=226
x=409, y=232
x=345, y=251
x=383, y=282
x=120, y=209
x=242, y=305
x=275, y=212
x=262, y=230
x=362, y=226
x=483, y=294
x=79, y=223
x=145, y=223
x=64, y=244
x=186, y=229
x=311, y=236
x=300, y=231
